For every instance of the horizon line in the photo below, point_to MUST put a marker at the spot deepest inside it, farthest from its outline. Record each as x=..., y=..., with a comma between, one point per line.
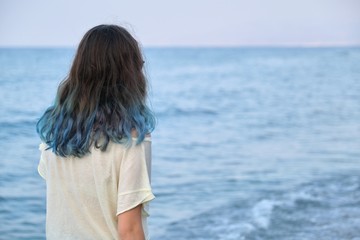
x=266, y=45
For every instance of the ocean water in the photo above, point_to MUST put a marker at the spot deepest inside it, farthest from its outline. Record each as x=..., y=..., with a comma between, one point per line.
x=251, y=143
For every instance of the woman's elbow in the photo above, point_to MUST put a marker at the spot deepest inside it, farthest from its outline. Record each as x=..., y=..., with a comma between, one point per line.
x=131, y=233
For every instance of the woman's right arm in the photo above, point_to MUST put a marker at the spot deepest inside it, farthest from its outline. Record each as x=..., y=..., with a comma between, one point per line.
x=130, y=224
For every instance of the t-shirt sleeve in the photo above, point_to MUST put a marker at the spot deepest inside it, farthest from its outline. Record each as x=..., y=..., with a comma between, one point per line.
x=134, y=186
x=42, y=163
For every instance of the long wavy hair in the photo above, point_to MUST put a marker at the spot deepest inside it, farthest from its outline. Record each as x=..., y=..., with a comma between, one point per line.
x=103, y=97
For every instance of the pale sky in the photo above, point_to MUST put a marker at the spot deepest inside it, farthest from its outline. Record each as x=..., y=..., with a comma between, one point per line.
x=184, y=22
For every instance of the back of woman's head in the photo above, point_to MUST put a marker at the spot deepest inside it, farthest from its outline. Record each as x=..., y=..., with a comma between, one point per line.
x=103, y=98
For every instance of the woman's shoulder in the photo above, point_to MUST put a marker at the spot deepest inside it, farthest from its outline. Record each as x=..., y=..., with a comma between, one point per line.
x=43, y=146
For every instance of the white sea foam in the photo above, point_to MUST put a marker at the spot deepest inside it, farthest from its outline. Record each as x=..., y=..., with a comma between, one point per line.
x=262, y=212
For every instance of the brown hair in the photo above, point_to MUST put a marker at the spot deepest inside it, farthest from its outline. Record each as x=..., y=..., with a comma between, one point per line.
x=104, y=93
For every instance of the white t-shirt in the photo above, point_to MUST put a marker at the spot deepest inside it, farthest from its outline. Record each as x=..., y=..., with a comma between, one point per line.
x=85, y=195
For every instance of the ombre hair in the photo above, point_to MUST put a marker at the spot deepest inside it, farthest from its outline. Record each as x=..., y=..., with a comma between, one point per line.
x=103, y=97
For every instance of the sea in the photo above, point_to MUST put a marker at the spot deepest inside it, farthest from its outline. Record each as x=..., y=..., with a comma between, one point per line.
x=251, y=143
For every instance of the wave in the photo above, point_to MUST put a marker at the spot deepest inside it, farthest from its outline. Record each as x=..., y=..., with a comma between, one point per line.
x=169, y=112
x=12, y=129
x=328, y=208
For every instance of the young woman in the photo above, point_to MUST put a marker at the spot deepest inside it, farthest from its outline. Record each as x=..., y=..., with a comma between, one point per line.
x=96, y=143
